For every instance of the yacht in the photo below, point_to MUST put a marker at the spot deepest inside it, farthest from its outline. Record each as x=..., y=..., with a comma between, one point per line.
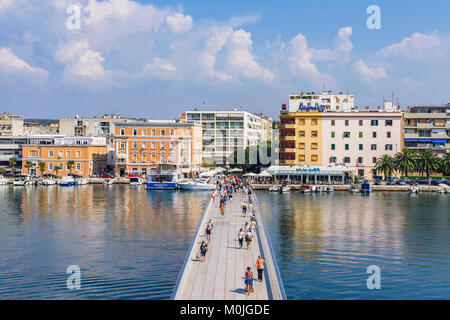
x=200, y=184
x=22, y=181
x=48, y=182
x=67, y=181
x=135, y=181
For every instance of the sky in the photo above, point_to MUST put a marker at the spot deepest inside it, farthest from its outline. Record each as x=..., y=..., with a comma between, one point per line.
x=155, y=58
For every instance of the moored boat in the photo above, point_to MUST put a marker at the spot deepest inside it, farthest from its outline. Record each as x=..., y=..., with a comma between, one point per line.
x=67, y=181
x=135, y=181
x=3, y=181
x=200, y=184
x=160, y=180
x=48, y=182
x=305, y=189
x=82, y=182
x=365, y=187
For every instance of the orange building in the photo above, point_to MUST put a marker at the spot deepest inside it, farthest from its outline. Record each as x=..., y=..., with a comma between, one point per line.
x=141, y=147
x=88, y=154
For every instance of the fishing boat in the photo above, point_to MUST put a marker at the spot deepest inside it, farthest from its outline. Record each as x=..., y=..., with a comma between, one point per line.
x=135, y=181
x=162, y=180
x=305, y=189
x=67, y=181
x=365, y=187
x=200, y=184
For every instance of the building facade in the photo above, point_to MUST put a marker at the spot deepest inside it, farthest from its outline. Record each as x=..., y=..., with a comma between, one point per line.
x=224, y=132
x=11, y=125
x=11, y=147
x=353, y=139
x=428, y=127
x=325, y=99
x=141, y=147
x=31, y=128
x=87, y=153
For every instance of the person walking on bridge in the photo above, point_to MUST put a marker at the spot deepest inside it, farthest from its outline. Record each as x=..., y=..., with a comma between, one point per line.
x=203, y=249
x=244, y=209
x=260, y=268
x=241, y=236
x=249, y=280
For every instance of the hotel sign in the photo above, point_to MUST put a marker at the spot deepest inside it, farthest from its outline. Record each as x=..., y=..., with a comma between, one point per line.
x=319, y=108
x=308, y=169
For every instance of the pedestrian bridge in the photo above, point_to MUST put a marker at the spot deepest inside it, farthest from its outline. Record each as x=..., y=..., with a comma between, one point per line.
x=221, y=276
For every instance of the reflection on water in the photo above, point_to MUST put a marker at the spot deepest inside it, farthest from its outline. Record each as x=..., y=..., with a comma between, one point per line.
x=129, y=243
x=324, y=244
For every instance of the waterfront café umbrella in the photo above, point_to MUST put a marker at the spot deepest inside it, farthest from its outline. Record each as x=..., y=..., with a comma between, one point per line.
x=265, y=174
x=236, y=170
x=250, y=174
x=207, y=174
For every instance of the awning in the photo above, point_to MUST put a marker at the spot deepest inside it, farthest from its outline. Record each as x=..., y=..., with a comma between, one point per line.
x=424, y=140
x=411, y=140
x=439, y=140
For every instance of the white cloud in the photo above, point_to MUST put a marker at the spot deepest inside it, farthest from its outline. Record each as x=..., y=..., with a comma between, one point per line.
x=13, y=65
x=179, y=22
x=342, y=42
x=417, y=46
x=240, y=59
x=342, y=47
x=160, y=68
x=369, y=73
x=299, y=62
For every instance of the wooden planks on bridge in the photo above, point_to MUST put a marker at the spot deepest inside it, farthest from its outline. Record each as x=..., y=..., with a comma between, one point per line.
x=222, y=275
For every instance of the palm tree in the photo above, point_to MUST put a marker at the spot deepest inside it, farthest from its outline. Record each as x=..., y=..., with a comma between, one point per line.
x=405, y=161
x=386, y=165
x=42, y=166
x=445, y=165
x=2, y=171
x=12, y=163
x=57, y=168
x=70, y=165
x=29, y=165
x=428, y=162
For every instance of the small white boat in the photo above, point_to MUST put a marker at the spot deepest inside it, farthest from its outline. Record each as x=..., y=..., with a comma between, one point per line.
x=197, y=185
x=413, y=190
x=316, y=189
x=82, y=182
x=21, y=182
x=274, y=188
x=3, y=181
x=67, y=181
x=107, y=182
x=136, y=181
x=305, y=189
x=353, y=189
x=329, y=189
x=285, y=189
x=48, y=182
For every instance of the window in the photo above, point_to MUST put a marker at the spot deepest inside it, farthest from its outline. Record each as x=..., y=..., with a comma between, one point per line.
x=50, y=166
x=314, y=157
x=360, y=146
x=172, y=145
x=346, y=146
x=332, y=159
x=301, y=146
x=163, y=132
x=134, y=132
x=78, y=167
x=163, y=145
x=333, y=122
x=67, y=154
x=122, y=132
x=333, y=134
x=301, y=157
x=373, y=147
x=144, y=132
x=144, y=157
x=314, y=122
x=162, y=157
x=314, y=134
x=33, y=153
x=346, y=122
x=360, y=123
x=60, y=154
x=301, y=133
x=50, y=153
x=388, y=147
x=388, y=134
x=153, y=157
x=153, y=132
x=122, y=145
x=144, y=144
x=313, y=145
x=374, y=134
x=153, y=145
x=78, y=154
x=301, y=122
x=333, y=146
x=360, y=160
x=360, y=134
x=346, y=134
x=134, y=145
x=374, y=159
x=374, y=123
x=346, y=159
x=388, y=123
x=134, y=157
x=172, y=132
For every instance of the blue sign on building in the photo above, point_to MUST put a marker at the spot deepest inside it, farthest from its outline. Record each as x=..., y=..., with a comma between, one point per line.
x=318, y=108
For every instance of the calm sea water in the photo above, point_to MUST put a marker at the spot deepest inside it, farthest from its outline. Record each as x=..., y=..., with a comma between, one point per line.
x=130, y=243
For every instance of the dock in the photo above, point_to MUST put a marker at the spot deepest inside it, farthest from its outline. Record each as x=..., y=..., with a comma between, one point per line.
x=221, y=276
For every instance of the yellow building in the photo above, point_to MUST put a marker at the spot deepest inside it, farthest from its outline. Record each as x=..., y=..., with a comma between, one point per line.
x=301, y=138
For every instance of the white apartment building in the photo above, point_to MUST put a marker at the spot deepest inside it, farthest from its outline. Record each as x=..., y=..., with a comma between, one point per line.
x=326, y=99
x=11, y=125
x=226, y=131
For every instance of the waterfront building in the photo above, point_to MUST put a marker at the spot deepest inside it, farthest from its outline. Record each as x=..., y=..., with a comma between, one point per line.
x=309, y=174
x=326, y=99
x=142, y=147
x=88, y=154
x=11, y=125
x=224, y=132
x=40, y=127
x=11, y=147
x=428, y=127
x=319, y=136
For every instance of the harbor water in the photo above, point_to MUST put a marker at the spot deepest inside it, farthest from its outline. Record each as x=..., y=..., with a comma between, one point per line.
x=130, y=243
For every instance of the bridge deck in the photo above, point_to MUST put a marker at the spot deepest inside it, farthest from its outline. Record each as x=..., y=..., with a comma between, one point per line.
x=221, y=276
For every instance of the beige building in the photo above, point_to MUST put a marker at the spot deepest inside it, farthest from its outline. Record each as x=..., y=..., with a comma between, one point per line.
x=40, y=128
x=91, y=127
x=11, y=125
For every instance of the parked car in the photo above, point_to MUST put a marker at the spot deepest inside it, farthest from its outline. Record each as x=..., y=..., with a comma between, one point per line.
x=412, y=182
x=443, y=181
x=49, y=176
x=378, y=182
x=434, y=182
x=391, y=182
x=105, y=175
x=401, y=182
x=75, y=176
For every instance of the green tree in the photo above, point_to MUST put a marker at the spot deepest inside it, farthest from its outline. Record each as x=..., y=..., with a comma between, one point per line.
x=29, y=165
x=42, y=167
x=386, y=165
x=428, y=162
x=12, y=162
x=70, y=165
x=444, y=167
x=56, y=169
x=405, y=161
x=2, y=171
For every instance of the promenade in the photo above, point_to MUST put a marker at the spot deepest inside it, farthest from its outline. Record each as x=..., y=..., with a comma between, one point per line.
x=221, y=276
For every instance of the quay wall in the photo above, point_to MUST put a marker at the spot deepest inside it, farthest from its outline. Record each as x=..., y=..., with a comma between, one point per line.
x=422, y=188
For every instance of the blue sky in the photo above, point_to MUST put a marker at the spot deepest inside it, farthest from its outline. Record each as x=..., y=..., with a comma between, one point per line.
x=160, y=58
